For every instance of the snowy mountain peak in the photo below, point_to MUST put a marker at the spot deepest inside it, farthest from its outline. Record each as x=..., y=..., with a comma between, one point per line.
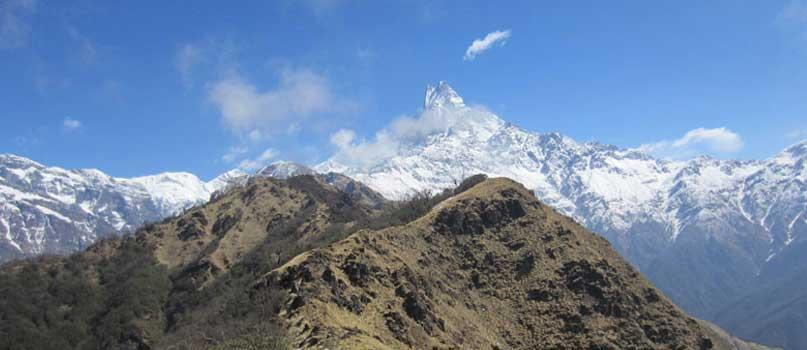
x=53, y=210
x=173, y=192
x=285, y=169
x=798, y=150
x=16, y=161
x=793, y=156
x=223, y=181
x=442, y=95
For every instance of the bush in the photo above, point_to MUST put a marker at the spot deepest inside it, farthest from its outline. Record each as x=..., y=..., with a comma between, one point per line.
x=55, y=304
x=470, y=182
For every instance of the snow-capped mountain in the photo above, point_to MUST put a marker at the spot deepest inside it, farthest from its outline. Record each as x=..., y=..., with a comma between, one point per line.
x=228, y=179
x=284, y=169
x=712, y=222
x=173, y=192
x=53, y=210
x=279, y=169
x=703, y=229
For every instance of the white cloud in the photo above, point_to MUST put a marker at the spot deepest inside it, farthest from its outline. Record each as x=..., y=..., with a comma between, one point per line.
x=234, y=152
x=300, y=100
x=717, y=141
x=245, y=109
x=187, y=57
x=255, y=135
x=343, y=138
x=15, y=28
x=70, y=124
x=362, y=154
x=258, y=162
x=481, y=45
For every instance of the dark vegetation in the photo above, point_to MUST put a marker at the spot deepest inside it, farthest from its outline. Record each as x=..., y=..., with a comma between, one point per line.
x=72, y=303
x=116, y=295
x=129, y=301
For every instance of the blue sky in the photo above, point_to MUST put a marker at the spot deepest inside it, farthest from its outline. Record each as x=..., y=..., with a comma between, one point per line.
x=135, y=88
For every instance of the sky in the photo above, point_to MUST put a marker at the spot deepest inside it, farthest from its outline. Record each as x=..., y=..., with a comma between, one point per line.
x=137, y=88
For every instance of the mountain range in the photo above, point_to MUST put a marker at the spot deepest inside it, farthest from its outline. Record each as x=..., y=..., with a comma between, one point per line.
x=53, y=210
x=300, y=264
x=49, y=210
x=707, y=231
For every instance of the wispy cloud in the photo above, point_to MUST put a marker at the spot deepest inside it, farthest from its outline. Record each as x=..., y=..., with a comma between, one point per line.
x=69, y=124
x=797, y=134
x=365, y=54
x=432, y=11
x=795, y=12
x=258, y=162
x=217, y=55
x=43, y=83
x=299, y=94
x=700, y=141
x=479, y=46
x=233, y=153
x=15, y=27
x=25, y=141
x=188, y=56
x=792, y=20
x=86, y=48
x=321, y=7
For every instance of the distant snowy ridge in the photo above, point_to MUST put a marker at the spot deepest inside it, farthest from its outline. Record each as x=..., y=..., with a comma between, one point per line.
x=56, y=211
x=53, y=210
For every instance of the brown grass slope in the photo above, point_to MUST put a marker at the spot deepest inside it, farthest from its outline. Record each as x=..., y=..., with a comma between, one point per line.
x=183, y=283
x=490, y=268
x=215, y=252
